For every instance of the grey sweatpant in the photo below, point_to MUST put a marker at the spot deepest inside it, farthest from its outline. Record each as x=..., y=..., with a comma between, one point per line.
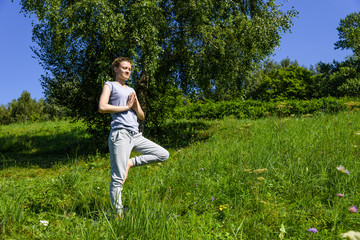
x=121, y=143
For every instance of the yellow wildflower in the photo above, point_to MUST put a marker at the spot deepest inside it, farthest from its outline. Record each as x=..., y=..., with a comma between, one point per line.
x=260, y=170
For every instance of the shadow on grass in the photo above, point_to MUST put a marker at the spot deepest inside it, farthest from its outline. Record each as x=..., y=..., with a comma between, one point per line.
x=181, y=133
x=45, y=150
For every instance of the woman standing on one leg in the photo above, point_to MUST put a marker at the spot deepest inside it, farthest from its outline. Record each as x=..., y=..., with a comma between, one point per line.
x=121, y=102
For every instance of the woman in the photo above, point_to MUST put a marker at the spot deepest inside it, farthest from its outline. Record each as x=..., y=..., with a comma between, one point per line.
x=121, y=102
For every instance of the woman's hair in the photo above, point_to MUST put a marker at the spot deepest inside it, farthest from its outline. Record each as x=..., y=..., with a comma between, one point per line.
x=118, y=60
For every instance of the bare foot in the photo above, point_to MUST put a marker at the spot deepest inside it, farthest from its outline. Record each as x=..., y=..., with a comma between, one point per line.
x=129, y=165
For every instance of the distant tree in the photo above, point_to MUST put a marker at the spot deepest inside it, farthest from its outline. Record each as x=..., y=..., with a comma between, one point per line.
x=26, y=109
x=293, y=82
x=53, y=111
x=269, y=65
x=338, y=79
x=349, y=33
x=344, y=82
x=201, y=47
x=23, y=108
x=5, y=117
x=285, y=63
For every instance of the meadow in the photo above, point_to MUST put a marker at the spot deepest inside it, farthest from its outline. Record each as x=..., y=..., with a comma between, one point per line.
x=271, y=178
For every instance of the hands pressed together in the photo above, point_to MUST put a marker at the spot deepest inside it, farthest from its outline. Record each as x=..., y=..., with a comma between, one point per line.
x=132, y=101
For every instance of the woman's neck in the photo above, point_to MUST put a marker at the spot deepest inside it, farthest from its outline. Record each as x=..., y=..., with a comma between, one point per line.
x=120, y=81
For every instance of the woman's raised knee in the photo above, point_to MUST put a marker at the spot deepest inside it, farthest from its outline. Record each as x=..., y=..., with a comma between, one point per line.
x=164, y=156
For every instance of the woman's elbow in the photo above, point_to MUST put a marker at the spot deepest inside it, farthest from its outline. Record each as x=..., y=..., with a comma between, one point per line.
x=141, y=117
x=101, y=109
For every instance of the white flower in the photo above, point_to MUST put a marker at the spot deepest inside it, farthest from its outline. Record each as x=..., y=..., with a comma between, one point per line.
x=351, y=235
x=44, y=222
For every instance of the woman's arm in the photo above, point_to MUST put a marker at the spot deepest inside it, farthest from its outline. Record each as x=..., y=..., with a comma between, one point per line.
x=105, y=107
x=137, y=108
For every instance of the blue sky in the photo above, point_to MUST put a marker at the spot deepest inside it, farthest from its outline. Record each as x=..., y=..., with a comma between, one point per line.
x=312, y=40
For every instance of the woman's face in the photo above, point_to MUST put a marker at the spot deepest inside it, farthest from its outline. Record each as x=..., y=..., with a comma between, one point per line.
x=123, y=71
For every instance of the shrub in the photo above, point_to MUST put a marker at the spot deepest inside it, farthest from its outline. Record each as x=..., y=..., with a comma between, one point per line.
x=256, y=109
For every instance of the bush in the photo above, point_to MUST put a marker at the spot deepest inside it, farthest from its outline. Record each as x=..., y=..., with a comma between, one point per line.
x=256, y=109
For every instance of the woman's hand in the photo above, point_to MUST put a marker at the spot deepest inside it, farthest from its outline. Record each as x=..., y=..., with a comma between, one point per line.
x=131, y=100
x=105, y=107
x=137, y=108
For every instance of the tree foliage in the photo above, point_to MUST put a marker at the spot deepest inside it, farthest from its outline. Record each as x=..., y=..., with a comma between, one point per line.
x=286, y=83
x=204, y=48
x=349, y=33
x=25, y=109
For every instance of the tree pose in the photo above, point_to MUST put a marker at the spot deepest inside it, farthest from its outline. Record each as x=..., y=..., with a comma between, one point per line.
x=121, y=102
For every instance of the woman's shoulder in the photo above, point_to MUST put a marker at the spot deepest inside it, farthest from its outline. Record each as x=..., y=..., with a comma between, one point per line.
x=109, y=83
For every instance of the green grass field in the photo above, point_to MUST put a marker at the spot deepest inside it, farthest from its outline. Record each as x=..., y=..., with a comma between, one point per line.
x=247, y=179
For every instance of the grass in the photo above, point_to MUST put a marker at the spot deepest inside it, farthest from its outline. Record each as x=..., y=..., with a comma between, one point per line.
x=248, y=179
x=44, y=143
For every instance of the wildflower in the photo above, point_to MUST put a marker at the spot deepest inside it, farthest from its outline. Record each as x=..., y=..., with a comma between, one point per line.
x=202, y=169
x=351, y=235
x=212, y=198
x=353, y=209
x=44, y=222
x=314, y=230
x=340, y=195
x=342, y=169
x=195, y=184
x=98, y=188
x=221, y=207
x=188, y=194
x=260, y=170
x=282, y=232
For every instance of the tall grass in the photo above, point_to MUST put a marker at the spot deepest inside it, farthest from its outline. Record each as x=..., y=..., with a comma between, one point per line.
x=44, y=143
x=263, y=179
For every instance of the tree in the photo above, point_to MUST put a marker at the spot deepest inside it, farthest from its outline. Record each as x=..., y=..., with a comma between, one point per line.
x=338, y=79
x=202, y=47
x=5, y=117
x=24, y=108
x=293, y=82
x=349, y=33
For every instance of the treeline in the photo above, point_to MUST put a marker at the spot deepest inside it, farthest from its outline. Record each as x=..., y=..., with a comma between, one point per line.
x=25, y=109
x=315, y=88
x=325, y=86
x=288, y=81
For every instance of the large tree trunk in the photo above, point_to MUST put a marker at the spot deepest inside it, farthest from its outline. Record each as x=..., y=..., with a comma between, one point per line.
x=142, y=92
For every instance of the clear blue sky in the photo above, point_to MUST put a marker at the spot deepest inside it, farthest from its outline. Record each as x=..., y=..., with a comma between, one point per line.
x=312, y=40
